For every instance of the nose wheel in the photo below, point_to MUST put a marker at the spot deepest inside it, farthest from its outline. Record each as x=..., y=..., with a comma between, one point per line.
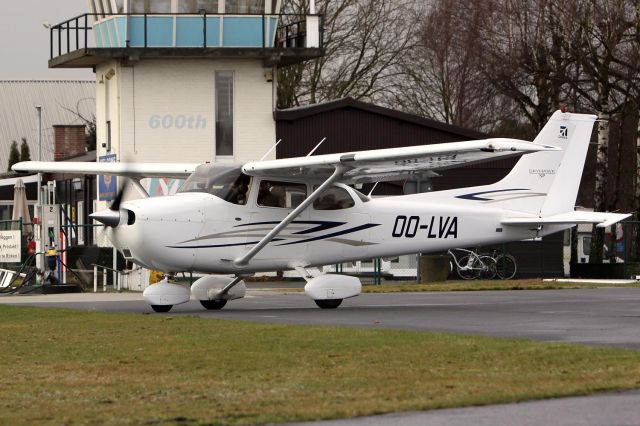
x=328, y=303
x=213, y=305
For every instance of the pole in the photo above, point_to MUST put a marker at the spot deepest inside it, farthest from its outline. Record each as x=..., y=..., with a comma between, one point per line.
x=115, y=267
x=38, y=236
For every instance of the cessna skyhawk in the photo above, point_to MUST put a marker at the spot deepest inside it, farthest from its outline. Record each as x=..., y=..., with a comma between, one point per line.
x=300, y=213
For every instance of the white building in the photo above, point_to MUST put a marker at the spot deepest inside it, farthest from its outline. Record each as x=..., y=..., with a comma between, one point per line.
x=185, y=80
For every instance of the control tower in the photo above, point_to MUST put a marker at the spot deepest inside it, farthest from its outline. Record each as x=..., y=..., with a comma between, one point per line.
x=185, y=80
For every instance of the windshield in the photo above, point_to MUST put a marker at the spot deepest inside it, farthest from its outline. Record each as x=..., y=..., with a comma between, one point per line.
x=228, y=183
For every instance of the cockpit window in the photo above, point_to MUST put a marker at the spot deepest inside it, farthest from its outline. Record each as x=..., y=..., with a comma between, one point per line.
x=228, y=183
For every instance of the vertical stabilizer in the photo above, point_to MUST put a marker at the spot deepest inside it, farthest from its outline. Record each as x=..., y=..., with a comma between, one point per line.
x=546, y=183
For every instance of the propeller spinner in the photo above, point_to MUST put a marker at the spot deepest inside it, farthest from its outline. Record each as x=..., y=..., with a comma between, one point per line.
x=113, y=215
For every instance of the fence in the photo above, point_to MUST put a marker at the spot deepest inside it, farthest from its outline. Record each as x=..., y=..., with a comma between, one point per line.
x=550, y=256
x=161, y=30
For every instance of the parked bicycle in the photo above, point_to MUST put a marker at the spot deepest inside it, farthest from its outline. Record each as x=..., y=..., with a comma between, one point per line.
x=470, y=265
x=506, y=265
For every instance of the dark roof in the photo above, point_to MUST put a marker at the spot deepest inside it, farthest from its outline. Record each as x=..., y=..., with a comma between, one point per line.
x=89, y=156
x=350, y=103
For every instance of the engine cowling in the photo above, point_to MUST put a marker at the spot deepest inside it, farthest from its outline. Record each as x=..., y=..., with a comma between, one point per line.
x=210, y=286
x=332, y=287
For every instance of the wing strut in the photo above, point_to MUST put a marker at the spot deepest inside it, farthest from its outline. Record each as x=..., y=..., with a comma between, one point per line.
x=337, y=174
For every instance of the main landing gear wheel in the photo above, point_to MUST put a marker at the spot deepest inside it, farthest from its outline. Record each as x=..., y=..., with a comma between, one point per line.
x=214, y=305
x=328, y=303
x=161, y=308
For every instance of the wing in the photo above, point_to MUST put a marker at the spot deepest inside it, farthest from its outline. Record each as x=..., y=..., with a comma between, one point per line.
x=133, y=170
x=395, y=163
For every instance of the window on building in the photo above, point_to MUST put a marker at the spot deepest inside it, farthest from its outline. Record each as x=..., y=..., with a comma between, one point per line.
x=244, y=6
x=5, y=212
x=224, y=113
x=120, y=6
x=107, y=7
x=281, y=194
x=151, y=6
x=108, y=135
x=99, y=9
x=334, y=198
x=586, y=246
x=197, y=6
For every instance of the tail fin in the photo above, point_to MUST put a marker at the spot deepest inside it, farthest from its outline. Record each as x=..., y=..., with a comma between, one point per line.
x=546, y=183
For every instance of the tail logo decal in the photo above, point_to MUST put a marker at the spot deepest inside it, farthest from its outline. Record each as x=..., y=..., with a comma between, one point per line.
x=564, y=132
x=542, y=172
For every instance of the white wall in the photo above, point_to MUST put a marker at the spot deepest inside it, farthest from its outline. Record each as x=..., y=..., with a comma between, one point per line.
x=164, y=110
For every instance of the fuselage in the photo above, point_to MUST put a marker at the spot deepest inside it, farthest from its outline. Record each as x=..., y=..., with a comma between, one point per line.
x=201, y=232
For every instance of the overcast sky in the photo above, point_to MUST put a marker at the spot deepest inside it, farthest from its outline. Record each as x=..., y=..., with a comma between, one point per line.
x=24, y=42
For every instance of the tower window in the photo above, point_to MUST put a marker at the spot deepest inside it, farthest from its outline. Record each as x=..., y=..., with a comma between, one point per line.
x=244, y=6
x=149, y=6
x=197, y=6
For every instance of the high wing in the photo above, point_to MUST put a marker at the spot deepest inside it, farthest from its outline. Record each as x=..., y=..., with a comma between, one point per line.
x=394, y=163
x=133, y=170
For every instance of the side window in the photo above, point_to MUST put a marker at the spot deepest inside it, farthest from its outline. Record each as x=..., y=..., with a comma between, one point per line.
x=281, y=194
x=334, y=198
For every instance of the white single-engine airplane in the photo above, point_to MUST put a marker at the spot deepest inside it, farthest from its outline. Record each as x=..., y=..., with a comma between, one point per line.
x=299, y=213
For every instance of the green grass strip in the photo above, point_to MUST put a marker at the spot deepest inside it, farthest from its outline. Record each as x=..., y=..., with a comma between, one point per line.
x=73, y=367
x=483, y=285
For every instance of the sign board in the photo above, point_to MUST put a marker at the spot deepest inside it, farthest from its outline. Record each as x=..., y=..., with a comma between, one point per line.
x=10, y=246
x=107, y=185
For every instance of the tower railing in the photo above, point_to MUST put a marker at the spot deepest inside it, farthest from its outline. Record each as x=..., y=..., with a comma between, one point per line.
x=184, y=30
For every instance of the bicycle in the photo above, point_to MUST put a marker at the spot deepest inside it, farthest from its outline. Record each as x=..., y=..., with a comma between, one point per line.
x=472, y=266
x=506, y=265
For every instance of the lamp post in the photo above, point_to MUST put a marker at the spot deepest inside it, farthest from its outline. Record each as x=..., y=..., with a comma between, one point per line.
x=38, y=212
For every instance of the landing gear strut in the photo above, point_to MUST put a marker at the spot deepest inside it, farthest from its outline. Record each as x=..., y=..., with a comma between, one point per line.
x=213, y=292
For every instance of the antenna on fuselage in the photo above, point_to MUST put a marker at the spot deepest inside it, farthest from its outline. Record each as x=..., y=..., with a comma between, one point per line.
x=317, y=146
x=372, y=189
x=270, y=149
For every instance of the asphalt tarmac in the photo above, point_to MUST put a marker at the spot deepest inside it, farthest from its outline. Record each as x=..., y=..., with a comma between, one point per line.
x=605, y=316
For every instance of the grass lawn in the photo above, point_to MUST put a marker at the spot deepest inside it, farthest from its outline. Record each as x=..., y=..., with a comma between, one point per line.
x=476, y=285
x=69, y=367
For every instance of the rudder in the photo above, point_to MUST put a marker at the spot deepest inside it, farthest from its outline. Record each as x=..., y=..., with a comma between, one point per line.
x=546, y=183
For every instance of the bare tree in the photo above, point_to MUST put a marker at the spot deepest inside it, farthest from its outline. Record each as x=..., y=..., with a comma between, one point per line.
x=523, y=57
x=443, y=77
x=598, y=30
x=364, y=42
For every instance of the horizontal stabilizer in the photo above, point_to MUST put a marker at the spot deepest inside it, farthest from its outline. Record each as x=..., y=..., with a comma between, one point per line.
x=601, y=219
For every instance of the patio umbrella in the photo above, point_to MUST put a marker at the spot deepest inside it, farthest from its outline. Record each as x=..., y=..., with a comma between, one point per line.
x=20, y=208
